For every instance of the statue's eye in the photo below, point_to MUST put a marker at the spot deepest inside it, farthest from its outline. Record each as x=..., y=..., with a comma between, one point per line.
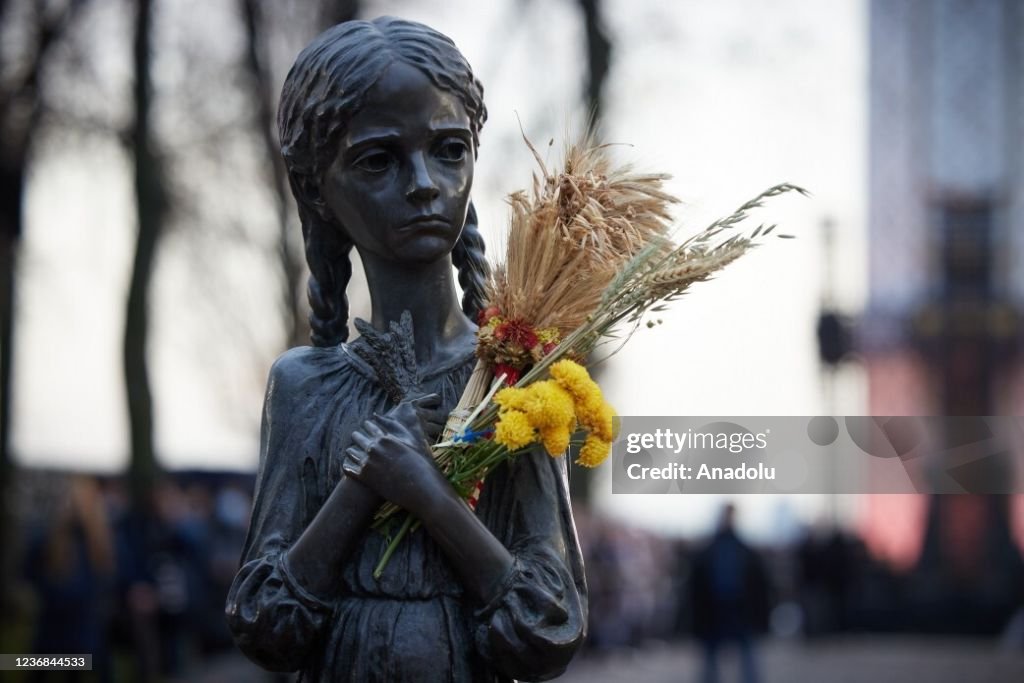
x=452, y=149
x=373, y=161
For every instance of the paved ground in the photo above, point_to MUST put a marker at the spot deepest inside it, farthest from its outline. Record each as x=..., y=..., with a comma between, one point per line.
x=873, y=659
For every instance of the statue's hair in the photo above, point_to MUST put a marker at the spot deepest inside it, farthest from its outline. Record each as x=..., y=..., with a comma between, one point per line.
x=322, y=92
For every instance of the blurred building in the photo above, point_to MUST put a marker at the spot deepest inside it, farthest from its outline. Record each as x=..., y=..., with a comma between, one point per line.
x=946, y=239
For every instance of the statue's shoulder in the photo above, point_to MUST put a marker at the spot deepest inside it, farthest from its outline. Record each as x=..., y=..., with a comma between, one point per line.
x=297, y=367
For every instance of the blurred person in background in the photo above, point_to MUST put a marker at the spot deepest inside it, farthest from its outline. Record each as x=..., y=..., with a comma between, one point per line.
x=227, y=538
x=162, y=581
x=729, y=595
x=603, y=557
x=828, y=567
x=176, y=566
x=70, y=563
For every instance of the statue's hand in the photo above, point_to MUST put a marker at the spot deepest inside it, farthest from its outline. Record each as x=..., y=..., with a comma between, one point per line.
x=392, y=455
x=428, y=409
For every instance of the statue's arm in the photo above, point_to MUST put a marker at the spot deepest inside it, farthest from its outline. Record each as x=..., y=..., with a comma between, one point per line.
x=535, y=624
x=528, y=578
x=284, y=591
x=392, y=457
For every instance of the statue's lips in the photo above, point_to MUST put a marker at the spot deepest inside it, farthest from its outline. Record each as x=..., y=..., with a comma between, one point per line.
x=426, y=223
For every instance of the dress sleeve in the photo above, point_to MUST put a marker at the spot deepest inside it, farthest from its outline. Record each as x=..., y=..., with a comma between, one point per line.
x=274, y=620
x=538, y=620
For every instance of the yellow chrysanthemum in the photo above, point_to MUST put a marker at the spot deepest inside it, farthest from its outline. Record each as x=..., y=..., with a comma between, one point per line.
x=512, y=398
x=598, y=419
x=594, y=451
x=605, y=427
x=549, y=405
x=573, y=377
x=513, y=430
x=555, y=440
x=549, y=411
x=591, y=409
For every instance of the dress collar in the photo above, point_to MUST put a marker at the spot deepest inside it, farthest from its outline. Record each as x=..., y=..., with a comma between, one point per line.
x=389, y=357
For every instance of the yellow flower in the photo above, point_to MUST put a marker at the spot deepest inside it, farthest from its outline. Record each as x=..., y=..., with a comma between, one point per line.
x=549, y=405
x=512, y=398
x=572, y=376
x=555, y=440
x=547, y=335
x=597, y=419
x=513, y=430
x=550, y=410
x=591, y=409
x=594, y=451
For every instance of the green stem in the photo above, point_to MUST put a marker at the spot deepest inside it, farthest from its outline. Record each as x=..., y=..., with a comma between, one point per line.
x=392, y=547
x=480, y=469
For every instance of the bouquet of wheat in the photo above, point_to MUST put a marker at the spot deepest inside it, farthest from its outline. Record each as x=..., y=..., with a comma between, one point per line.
x=588, y=253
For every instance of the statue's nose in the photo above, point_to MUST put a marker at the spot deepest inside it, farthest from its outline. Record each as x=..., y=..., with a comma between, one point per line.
x=421, y=184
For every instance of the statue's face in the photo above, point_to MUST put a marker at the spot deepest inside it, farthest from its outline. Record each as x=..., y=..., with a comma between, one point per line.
x=400, y=183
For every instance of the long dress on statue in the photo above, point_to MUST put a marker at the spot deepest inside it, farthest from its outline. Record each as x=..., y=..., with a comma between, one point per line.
x=415, y=624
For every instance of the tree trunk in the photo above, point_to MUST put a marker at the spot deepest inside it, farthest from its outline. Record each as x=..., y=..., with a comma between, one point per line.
x=150, y=210
x=12, y=181
x=599, y=55
x=11, y=185
x=599, y=52
x=337, y=11
x=21, y=104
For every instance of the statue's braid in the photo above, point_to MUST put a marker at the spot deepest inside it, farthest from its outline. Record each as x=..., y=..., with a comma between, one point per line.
x=333, y=330
x=468, y=257
x=330, y=269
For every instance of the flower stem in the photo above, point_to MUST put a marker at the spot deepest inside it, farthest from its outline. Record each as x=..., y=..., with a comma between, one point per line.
x=392, y=547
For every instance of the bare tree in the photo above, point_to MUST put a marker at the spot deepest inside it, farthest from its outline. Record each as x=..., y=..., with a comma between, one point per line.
x=599, y=56
x=151, y=209
x=40, y=26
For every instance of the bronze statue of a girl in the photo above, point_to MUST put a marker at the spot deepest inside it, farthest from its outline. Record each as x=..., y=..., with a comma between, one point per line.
x=379, y=125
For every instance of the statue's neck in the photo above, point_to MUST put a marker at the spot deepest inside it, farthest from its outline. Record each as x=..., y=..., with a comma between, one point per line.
x=428, y=292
